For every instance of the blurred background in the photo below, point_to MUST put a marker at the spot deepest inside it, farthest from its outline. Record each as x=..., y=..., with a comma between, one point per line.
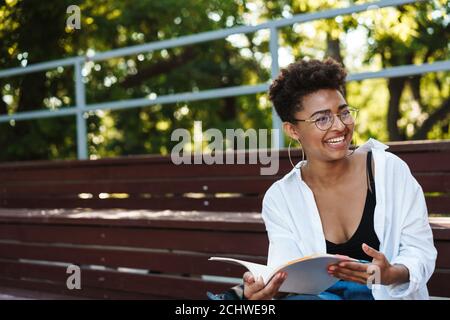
x=391, y=109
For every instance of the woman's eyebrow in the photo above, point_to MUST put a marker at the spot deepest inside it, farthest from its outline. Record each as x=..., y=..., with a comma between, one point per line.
x=342, y=106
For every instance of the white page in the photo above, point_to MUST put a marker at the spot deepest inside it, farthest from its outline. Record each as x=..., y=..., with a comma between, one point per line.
x=255, y=268
x=310, y=276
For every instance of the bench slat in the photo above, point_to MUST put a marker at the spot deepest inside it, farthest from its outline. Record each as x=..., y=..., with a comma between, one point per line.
x=169, y=239
x=435, y=182
x=239, y=204
x=439, y=282
x=92, y=170
x=153, y=186
x=166, y=262
x=44, y=286
x=443, y=258
x=177, y=287
x=438, y=204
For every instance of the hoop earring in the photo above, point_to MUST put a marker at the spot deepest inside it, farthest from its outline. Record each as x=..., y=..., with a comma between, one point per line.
x=290, y=159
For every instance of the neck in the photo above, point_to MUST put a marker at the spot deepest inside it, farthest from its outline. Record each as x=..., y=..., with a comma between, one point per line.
x=325, y=173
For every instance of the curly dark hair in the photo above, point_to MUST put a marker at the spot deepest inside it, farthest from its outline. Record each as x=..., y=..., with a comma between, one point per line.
x=302, y=78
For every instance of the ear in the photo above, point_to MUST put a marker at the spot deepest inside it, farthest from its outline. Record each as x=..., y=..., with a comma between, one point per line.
x=291, y=130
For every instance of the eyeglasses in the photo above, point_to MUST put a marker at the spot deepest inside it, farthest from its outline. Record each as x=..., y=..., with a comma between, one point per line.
x=324, y=121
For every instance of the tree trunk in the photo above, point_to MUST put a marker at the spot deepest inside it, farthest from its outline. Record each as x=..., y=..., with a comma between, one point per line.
x=334, y=51
x=395, y=86
x=32, y=92
x=229, y=110
x=440, y=114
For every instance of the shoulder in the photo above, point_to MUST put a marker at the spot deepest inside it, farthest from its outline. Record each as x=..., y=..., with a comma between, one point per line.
x=280, y=189
x=384, y=163
x=359, y=158
x=274, y=193
x=382, y=157
x=395, y=171
x=392, y=161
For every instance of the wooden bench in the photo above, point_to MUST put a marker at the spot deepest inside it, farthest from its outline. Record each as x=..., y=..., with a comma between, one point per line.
x=142, y=227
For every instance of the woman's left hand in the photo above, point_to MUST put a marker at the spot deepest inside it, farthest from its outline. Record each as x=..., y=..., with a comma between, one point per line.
x=358, y=272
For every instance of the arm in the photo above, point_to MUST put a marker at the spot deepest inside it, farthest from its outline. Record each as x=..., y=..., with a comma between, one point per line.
x=282, y=248
x=412, y=265
x=416, y=251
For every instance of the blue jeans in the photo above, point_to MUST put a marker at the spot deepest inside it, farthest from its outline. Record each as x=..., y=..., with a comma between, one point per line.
x=341, y=290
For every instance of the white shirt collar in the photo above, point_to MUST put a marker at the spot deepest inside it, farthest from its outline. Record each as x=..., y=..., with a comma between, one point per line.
x=366, y=146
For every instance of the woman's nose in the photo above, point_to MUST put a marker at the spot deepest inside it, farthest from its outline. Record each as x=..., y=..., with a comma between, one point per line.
x=337, y=123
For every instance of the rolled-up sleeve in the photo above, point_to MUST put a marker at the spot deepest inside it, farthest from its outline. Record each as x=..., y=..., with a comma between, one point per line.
x=283, y=246
x=416, y=248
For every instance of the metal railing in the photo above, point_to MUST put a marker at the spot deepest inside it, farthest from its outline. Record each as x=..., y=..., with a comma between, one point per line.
x=81, y=107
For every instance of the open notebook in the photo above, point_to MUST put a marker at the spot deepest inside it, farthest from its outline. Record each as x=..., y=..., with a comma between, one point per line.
x=307, y=275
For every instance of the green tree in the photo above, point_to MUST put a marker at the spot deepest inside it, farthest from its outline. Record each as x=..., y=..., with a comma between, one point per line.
x=33, y=31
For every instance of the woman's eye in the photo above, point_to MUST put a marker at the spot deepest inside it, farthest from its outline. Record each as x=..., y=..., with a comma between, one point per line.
x=323, y=119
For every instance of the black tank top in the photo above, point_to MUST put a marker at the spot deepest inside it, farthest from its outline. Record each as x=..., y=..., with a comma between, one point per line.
x=365, y=233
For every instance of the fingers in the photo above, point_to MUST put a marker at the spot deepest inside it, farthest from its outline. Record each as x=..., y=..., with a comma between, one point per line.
x=349, y=274
x=248, y=277
x=258, y=291
x=355, y=266
x=250, y=285
x=274, y=285
x=346, y=277
x=271, y=289
x=372, y=252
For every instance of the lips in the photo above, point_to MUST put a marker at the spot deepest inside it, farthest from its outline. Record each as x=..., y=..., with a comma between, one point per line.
x=337, y=142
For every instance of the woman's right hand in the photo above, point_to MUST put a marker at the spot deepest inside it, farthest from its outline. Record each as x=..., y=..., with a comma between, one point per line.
x=254, y=289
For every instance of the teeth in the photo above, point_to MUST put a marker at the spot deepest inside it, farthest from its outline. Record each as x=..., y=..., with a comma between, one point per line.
x=335, y=140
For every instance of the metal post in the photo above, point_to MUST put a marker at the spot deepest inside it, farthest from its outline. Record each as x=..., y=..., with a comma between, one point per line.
x=277, y=142
x=80, y=99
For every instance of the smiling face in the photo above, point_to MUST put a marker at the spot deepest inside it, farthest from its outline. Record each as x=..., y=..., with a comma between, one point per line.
x=332, y=144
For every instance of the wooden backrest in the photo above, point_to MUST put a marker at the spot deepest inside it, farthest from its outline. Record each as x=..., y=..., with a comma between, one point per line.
x=154, y=182
x=439, y=284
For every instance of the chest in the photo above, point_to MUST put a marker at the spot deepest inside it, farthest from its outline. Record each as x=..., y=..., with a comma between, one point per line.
x=341, y=209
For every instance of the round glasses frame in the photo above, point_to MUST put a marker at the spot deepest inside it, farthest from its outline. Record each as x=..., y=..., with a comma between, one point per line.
x=352, y=113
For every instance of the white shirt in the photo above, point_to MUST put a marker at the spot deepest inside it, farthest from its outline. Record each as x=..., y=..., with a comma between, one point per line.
x=401, y=222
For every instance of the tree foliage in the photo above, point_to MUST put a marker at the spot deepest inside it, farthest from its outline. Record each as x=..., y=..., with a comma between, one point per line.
x=35, y=31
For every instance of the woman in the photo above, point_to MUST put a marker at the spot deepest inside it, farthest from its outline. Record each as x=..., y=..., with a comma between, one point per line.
x=363, y=204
